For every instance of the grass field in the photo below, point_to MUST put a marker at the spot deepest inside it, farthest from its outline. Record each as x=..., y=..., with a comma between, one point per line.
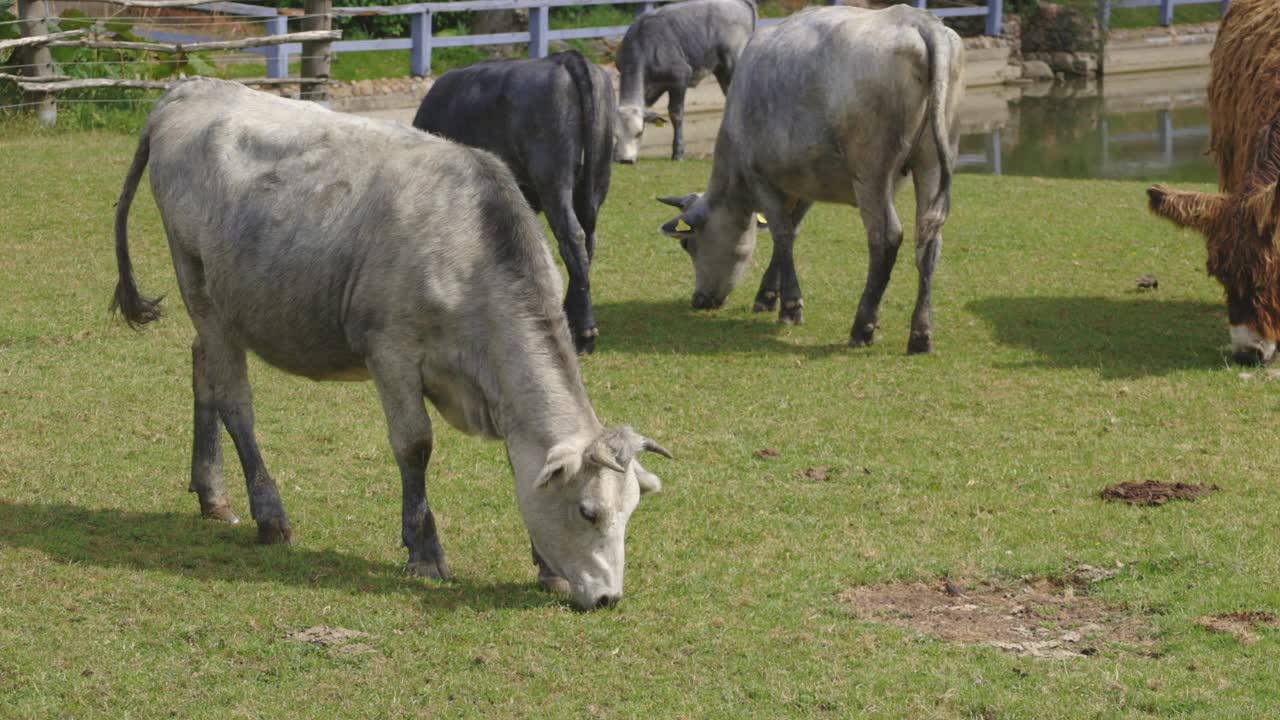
x=1052, y=376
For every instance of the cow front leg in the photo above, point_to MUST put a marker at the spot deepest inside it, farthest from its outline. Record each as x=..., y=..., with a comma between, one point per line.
x=227, y=368
x=409, y=428
x=884, y=237
x=928, y=247
x=549, y=581
x=572, y=241
x=780, y=280
x=206, y=445
x=675, y=109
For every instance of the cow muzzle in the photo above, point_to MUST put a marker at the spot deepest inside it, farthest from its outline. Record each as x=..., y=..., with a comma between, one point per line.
x=1250, y=348
x=704, y=301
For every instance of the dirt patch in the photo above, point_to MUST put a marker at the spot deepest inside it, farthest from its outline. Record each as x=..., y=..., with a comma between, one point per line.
x=1148, y=282
x=339, y=640
x=1044, y=619
x=1239, y=624
x=767, y=453
x=1153, y=492
x=818, y=473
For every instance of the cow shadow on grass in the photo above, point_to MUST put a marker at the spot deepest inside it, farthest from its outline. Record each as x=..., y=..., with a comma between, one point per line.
x=1120, y=338
x=205, y=550
x=638, y=326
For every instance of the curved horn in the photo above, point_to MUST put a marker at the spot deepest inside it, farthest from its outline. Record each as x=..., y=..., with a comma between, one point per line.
x=601, y=455
x=675, y=202
x=654, y=447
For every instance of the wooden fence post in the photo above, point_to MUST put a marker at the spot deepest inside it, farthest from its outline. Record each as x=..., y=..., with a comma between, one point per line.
x=1104, y=14
x=37, y=58
x=1166, y=12
x=644, y=7
x=420, y=53
x=538, y=29
x=1222, y=7
x=315, y=53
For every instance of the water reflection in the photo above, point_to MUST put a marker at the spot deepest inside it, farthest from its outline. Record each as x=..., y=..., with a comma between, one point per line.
x=1150, y=126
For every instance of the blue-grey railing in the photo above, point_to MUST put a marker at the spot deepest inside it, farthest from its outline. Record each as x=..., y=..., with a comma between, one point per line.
x=1166, y=8
x=422, y=40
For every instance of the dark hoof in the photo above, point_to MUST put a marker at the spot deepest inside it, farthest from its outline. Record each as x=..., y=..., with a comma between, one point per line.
x=586, y=342
x=792, y=313
x=765, y=302
x=919, y=343
x=862, y=335
x=221, y=512
x=434, y=569
x=553, y=583
x=275, y=532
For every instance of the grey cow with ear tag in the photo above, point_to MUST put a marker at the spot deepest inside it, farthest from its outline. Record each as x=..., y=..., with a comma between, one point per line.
x=834, y=104
x=340, y=248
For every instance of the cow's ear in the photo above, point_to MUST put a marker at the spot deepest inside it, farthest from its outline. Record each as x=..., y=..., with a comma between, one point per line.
x=1186, y=209
x=679, y=228
x=653, y=118
x=563, y=462
x=649, y=483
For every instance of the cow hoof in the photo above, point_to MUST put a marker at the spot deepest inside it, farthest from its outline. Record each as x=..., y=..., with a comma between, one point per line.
x=765, y=302
x=586, y=342
x=433, y=569
x=221, y=512
x=553, y=583
x=274, y=531
x=792, y=313
x=862, y=335
x=918, y=344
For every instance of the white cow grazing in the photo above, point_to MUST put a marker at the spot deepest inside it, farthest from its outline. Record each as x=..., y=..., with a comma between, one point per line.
x=834, y=104
x=339, y=248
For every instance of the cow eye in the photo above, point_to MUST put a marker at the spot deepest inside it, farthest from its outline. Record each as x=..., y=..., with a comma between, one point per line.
x=587, y=514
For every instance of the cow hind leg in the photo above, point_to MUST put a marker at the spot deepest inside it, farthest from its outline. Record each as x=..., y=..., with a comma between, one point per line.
x=206, y=447
x=572, y=241
x=409, y=428
x=884, y=237
x=928, y=247
x=229, y=373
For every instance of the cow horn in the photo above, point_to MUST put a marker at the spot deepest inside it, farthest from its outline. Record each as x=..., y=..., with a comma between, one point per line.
x=601, y=455
x=675, y=202
x=654, y=447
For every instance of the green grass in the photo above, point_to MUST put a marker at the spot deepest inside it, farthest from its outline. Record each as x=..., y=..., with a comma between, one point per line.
x=1051, y=377
x=1126, y=18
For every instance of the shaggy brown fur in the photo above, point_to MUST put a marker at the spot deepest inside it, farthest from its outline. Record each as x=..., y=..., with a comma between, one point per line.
x=1240, y=224
x=1244, y=88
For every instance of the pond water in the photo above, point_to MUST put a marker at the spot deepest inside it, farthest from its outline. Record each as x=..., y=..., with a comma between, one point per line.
x=1150, y=126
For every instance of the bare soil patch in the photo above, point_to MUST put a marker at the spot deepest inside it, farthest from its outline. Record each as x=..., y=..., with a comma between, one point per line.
x=1153, y=492
x=339, y=640
x=767, y=453
x=1042, y=618
x=1239, y=624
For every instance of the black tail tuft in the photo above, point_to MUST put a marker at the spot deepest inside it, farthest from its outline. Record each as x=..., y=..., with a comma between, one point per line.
x=137, y=310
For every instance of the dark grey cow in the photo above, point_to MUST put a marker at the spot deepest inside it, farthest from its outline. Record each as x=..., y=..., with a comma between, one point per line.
x=670, y=50
x=834, y=104
x=550, y=120
x=340, y=248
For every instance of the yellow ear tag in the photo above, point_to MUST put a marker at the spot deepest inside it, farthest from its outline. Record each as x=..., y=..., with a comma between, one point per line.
x=682, y=226
x=761, y=219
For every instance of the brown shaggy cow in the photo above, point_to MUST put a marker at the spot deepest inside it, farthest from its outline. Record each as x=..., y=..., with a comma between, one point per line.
x=1240, y=223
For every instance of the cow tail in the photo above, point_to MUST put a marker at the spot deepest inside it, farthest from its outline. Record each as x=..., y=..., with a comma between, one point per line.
x=576, y=65
x=137, y=310
x=939, y=88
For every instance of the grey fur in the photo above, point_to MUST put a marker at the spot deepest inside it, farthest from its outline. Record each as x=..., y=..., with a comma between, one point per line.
x=670, y=50
x=336, y=247
x=551, y=121
x=835, y=104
